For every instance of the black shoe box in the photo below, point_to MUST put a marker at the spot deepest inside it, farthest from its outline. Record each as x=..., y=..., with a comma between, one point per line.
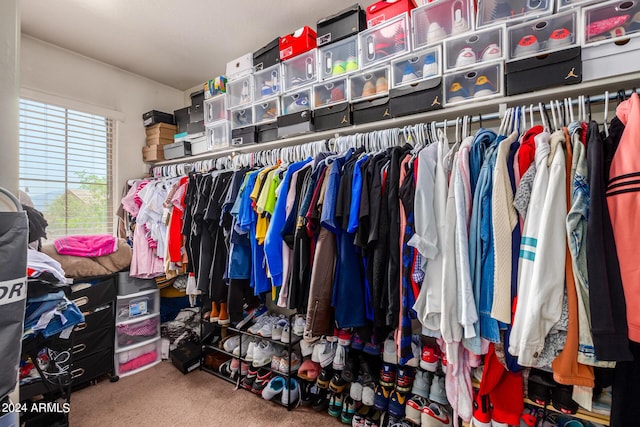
x=195, y=127
x=341, y=25
x=186, y=358
x=295, y=124
x=182, y=119
x=372, y=110
x=267, y=56
x=416, y=98
x=196, y=111
x=245, y=135
x=544, y=71
x=154, y=116
x=267, y=132
x=333, y=116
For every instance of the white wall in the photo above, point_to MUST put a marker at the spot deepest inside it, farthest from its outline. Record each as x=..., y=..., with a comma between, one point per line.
x=102, y=89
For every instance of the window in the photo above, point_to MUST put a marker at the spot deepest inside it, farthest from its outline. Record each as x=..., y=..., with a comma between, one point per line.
x=65, y=167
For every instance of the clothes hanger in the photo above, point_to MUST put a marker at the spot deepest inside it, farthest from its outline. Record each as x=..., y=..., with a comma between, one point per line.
x=606, y=112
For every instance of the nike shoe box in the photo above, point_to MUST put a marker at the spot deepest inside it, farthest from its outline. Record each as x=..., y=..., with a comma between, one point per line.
x=542, y=36
x=215, y=110
x=154, y=116
x=240, y=92
x=558, y=68
x=182, y=119
x=610, y=59
x=338, y=59
x=268, y=132
x=416, y=98
x=300, y=71
x=333, y=117
x=241, y=117
x=187, y=357
x=296, y=101
x=295, y=123
x=383, y=11
x=491, y=12
x=341, y=25
x=610, y=21
x=177, y=150
x=267, y=83
x=267, y=56
x=244, y=136
x=372, y=110
x=369, y=84
x=300, y=41
x=478, y=83
x=471, y=50
x=266, y=111
x=437, y=21
x=416, y=67
x=330, y=92
x=380, y=44
x=240, y=67
x=196, y=113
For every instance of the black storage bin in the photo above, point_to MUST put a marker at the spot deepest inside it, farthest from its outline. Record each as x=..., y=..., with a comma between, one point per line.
x=544, y=71
x=244, y=136
x=341, y=25
x=267, y=132
x=195, y=127
x=295, y=124
x=102, y=291
x=196, y=112
x=333, y=116
x=182, y=119
x=267, y=56
x=154, y=116
x=372, y=110
x=416, y=98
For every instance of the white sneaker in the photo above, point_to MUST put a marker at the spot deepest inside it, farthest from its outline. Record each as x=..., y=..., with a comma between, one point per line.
x=318, y=349
x=328, y=354
x=259, y=323
x=390, y=353
x=298, y=325
x=438, y=392
x=277, y=328
x=284, y=363
x=339, y=358
x=435, y=415
x=237, y=351
x=263, y=353
x=435, y=33
x=231, y=343
x=368, y=394
x=355, y=391
x=306, y=348
x=291, y=392
x=466, y=56
x=286, y=333
x=250, y=349
x=267, y=327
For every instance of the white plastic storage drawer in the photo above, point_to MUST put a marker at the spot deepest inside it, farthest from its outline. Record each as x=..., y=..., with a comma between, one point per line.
x=483, y=82
x=493, y=11
x=267, y=83
x=241, y=117
x=136, y=331
x=473, y=49
x=331, y=92
x=338, y=58
x=266, y=111
x=416, y=67
x=217, y=135
x=215, y=110
x=240, y=92
x=138, y=358
x=545, y=35
x=137, y=305
x=296, y=101
x=385, y=41
x=434, y=22
x=369, y=84
x=300, y=70
x=610, y=21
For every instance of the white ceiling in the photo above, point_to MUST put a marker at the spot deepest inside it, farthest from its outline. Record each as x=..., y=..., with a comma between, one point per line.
x=178, y=43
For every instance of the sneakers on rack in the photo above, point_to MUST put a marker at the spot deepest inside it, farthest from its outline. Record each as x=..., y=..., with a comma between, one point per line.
x=242, y=352
x=430, y=67
x=492, y=51
x=348, y=410
x=261, y=381
x=259, y=323
x=381, y=399
x=335, y=404
x=277, y=327
x=388, y=374
x=299, y=323
x=284, y=365
x=429, y=357
x=291, y=392
x=421, y=384
x=397, y=403
x=390, y=353
x=466, y=56
x=339, y=360
x=231, y=343
x=527, y=45
x=263, y=353
x=415, y=405
x=404, y=379
x=267, y=328
x=273, y=388
x=483, y=87
x=328, y=354
x=457, y=93
x=438, y=392
x=436, y=415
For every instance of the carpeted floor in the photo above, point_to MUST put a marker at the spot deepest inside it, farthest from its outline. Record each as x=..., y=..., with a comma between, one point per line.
x=163, y=396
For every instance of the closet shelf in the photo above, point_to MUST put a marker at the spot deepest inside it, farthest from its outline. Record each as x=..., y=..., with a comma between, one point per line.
x=595, y=87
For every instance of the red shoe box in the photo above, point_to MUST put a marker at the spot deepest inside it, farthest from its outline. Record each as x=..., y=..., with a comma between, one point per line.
x=383, y=10
x=301, y=41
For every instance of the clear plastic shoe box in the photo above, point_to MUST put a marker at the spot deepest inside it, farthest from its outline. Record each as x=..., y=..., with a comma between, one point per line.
x=481, y=82
x=369, y=84
x=494, y=11
x=475, y=48
x=611, y=21
x=330, y=92
x=544, y=35
x=267, y=83
x=416, y=67
x=296, y=101
x=216, y=137
x=339, y=58
x=241, y=117
x=266, y=111
x=240, y=92
x=434, y=22
x=300, y=70
x=215, y=110
x=570, y=4
x=385, y=41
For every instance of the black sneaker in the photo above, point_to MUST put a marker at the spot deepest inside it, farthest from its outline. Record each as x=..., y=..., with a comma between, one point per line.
x=307, y=395
x=320, y=402
x=248, y=381
x=262, y=379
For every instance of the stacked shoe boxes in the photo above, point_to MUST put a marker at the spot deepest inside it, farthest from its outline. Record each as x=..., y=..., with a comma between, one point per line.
x=494, y=12
x=216, y=134
x=158, y=135
x=239, y=99
x=267, y=88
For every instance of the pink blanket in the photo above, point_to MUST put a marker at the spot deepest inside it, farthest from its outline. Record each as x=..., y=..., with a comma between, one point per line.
x=86, y=246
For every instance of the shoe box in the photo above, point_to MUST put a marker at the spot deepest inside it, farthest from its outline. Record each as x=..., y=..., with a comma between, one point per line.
x=195, y=127
x=610, y=59
x=416, y=98
x=300, y=41
x=240, y=91
x=214, y=87
x=475, y=48
x=341, y=25
x=371, y=110
x=296, y=101
x=333, y=116
x=154, y=116
x=543, y=53
x=266, y=111
x=216, y=136
x=416, y=67
x=268, y=132
x=182, y=119
x=383, y=11
x=563, y=5
x=215, y=110
x=245, y=135
x=435, y=22
x=295, y=123
x=267, y=56
x=491, y=12
x=267, y=82
x=300, y=71
x=153, y=153
x=187, y=357
x=241, y=116
x=330, y=92
x=240, y=67
x=180, y=148
x=196, y=110
x=338, y=58
x=369, y=84
x=160, y=134
x=385, y=41
x=482, y=82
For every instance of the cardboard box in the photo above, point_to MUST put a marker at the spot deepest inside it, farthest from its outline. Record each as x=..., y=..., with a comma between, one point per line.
x=162, y=130
x=187, y=358
x=157, y=140
x=152, y=154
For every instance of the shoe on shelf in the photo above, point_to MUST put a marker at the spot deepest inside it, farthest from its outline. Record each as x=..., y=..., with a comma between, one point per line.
x=382, y=85
x=306, y=348
x=337, y=384
x=291, y=392
x=277, y=328
x=246, y=343
x=356, y=342
x=273, y=388
x=324, y=378
x=339, y=67
x=307, y=393
x=344, y=337
x=298, y=325
x=381, y=400
x=436, y=415
x=277, y=358
x=355, y=391
x=466, y=56
x=284, y=365
x=231, y=343
x=309, y=370
x=404, y=378
x=460, y=24
x=350, y=370
x=249, y=379
x=408, y=74
x=262, y=380
x=320, y=402
x=263, y=353
x=348, y=410
x=214, y=315
x=501, y=10
x=435, y=33
x=259, y=323
x=335, y=404
x=558, y=38
x=414, y=362
x=368, y=394
x=415, y=405
x=244, y=368
x=483, y=87
x=328, y=354
x=457, y=93
x=397, y=403
x=438, y=392
x=250, y=351
x=430, y=66
x=492, y=51
x=339, y=359
x=368, y=89
x=390, y=352
x=372, y=347
x=526, y=46
x=421, y=384
x=388, y=374
x=250, y=314
x=318, y=349
x=352, y=63
x=267, y=328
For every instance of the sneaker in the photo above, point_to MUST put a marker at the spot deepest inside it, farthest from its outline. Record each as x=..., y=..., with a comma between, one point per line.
x=263, y=353
x=490, y=52
x=337, y=384
x=318, y=349
x=320, y=403
x=352, y=64
x=429, y=357
x=339, y=67
x=435, y=415
x=235, y=367
x=382, y=85
x=277, y=358
x=481, y=410
x=459, y=25
x=225, y=369
x=299, y=323
x=457, y=93
x=335, y=404
x=250, y=315
x=355, y=391
x=483, y=87
x=365, y=371
x=373, y=420
x=399, y=39
x=359, y=417
x=247, y=382
x=259, y=323
x=344, y=337
x=267, y=89
x=350, y=369
x=327, y=356
x=408, y=74
x=558, y=38
x=348, y=410
x=337, y=94
x=287, y=336
x=261, y=382
x=267, y=328
x=390, y=353
x=526, y=46
x=284, y=365
x=300, y=103
x=291, y=392
x=421, y=384
x=306, y=348
x=307, y=393
x=250, y=350
x=324, y=378
x=404, y=379
x=231, y=343
x=415, y=405
x=435, y=33
x=397, y=402
x=244, y=368
x=340, y=358
x=414, y=362
x=368, y=89
x=438, y=392
x=430, y=66
x=277, y=328
x=466, y=56
x=246, y=343
x=273, y=388
x=388, y=374
x=381, y=400
x=368, y=394
x=356, y=342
